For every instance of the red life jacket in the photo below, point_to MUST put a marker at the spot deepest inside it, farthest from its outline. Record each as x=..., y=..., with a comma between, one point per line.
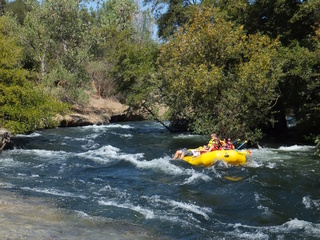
x=229, y=146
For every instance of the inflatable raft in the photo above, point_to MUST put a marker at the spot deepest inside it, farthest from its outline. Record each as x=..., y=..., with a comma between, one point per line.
x=234, y=157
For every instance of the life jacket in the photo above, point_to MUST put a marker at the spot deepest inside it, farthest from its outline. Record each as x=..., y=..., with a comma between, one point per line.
x=216, y=147
x=211, y=142
x=229, y=146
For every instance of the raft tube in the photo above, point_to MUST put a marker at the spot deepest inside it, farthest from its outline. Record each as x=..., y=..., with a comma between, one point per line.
x=233, y=157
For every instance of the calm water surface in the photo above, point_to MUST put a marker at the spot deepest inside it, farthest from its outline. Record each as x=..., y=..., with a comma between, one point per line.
x=123, y=176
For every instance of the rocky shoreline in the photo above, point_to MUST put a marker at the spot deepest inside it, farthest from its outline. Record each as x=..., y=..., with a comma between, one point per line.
x=97, y=112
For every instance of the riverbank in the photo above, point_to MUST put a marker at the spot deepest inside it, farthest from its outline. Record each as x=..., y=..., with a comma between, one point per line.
x=98, y=111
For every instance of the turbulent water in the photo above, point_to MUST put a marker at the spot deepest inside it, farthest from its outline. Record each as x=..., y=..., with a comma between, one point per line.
x=122, y=176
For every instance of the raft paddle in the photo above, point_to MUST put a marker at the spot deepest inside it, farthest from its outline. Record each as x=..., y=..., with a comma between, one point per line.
x=241, y=145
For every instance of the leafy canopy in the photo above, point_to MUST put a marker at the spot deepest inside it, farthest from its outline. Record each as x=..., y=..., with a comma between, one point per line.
x=217, y=78
x=23, y=107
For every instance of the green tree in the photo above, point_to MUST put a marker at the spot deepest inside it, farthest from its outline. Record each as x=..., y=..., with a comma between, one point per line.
x=118, y=13
x=125, y=48
x=288, y=20
x=302, y=68
x=171, y=14
x=23, y=107
x=19, y=8
x=217, y=78
x=36, y=37
x=58, y=35
x=3, y=5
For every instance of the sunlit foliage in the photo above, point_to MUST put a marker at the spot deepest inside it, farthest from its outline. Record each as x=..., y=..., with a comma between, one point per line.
x=23, y=106
x=59, y=43
x=218, y=78
x=126, y=49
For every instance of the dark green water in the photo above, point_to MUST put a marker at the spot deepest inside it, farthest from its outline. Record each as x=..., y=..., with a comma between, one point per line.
x=124, y=175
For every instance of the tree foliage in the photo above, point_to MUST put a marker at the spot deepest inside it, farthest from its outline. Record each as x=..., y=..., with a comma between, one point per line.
x=126, y=49
x=3, y=5
x=218, y=78
x=23, y=107
x=286, y=19
x=19, y=8
x=59, y=40
x=296, y=25
x=302, y=68
x=171, y=14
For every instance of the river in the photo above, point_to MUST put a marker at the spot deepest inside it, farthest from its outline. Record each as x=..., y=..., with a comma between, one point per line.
x=119, y=181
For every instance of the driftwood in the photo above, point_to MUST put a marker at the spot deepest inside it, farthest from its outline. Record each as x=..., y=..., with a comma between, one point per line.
x=4, y=139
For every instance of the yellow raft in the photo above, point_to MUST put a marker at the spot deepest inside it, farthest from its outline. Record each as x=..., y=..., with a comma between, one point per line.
x=233, y=157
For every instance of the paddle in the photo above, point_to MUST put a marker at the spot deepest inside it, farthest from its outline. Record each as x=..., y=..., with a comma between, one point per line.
x=241, y=145
x=235, y=141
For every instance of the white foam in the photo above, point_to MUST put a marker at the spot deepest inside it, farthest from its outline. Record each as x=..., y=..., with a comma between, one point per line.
x=9, y=162
x=107, y=154
x=308, y=230
x=107, y=188
x=55, y=192
x=103, y=128
x=271, y=165
x=175, y=208
x=186, y=136
x=173, y=212
x=6, y=185
x=116, y=192
x=297, y=148
x=266, y=157
x=253, y=164
x=160, y=164
x=45, y=154
x=195, y=176
x=203, y=211
x=122, y=135
x=254, y=235
x=148, y=214
x=308, y=227
x=90, y=144
x=310, y=203
x=307, y=201
x=35, y=134
x=165, y=165
x=104, y=154
x=122, y=126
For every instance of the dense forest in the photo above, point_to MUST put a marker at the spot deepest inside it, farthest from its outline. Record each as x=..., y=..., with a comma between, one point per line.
x=234, y=67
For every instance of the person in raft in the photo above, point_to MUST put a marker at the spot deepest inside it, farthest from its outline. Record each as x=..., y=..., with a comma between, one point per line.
x=216, y=146
x=190, y=152
x=212, y=140
x=228, y=145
